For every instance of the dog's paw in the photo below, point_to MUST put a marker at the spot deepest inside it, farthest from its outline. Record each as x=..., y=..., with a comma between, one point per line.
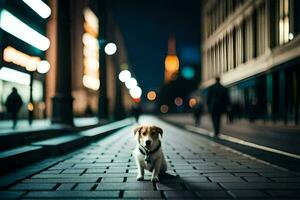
x=139, y=178
x=154, y=179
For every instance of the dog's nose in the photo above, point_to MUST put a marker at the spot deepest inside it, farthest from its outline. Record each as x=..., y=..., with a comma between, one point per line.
x=148, y=142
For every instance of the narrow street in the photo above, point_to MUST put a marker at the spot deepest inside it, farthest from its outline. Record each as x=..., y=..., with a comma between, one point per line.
x=198, y=169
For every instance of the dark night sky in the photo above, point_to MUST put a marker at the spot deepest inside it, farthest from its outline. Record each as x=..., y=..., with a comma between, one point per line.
x=146, y=26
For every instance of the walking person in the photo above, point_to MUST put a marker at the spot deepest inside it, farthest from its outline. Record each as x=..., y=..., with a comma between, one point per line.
x=218, y=101
x=197, y=112
x=13, y=105
x=136, y=111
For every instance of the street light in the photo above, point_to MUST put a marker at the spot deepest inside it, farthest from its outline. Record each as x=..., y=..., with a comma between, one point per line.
x=43, y=67
x=135, y=92
x=124, y=75
x=110, y=48
x=131, y=83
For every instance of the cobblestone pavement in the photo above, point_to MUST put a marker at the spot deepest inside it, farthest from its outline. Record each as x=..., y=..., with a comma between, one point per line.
x=198, y=169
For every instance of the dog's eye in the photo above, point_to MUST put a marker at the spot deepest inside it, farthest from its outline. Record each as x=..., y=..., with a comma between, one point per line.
x=153, y=133
x=144, y=133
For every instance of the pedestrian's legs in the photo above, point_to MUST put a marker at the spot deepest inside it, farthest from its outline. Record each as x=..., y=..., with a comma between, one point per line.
x=216, y=122
x=14, y=118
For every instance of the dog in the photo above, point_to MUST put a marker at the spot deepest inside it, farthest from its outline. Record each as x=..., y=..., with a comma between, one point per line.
x=148, y=153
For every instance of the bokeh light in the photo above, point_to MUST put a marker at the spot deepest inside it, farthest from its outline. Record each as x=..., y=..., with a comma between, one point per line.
x=178, y=101
x=124, y=75
x=151, y=95
x=110, y=48
x=164, y=108
x=192, y=102
x=43, y=67
x=131, y=83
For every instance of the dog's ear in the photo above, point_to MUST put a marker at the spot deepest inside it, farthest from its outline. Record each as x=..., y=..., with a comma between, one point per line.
x=137, y=129
x=159, y=130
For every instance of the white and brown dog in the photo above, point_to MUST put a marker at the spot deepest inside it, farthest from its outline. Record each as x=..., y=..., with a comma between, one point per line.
x=148, y=152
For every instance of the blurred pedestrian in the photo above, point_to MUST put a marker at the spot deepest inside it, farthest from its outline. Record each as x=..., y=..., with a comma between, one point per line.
x=218, y=102
x=13, y=105
x=197, y=112
x=136, y=111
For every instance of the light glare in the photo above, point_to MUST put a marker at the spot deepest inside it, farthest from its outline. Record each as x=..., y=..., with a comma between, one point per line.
x=135, y=92
x=131, y=83
x=15, y=76
x=124, y=75
x=91, y=82
x=43, y=67
x=39, y=7
x=110, y=48
x=16, y=27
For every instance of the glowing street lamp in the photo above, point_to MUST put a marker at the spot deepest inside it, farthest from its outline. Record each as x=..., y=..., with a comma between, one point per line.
x=131, y=83
x=43, y=67
x=14, y=26
x=110, y=48
x=135, y=92
x=151, y=96
x=39, y=7
x=124, y=75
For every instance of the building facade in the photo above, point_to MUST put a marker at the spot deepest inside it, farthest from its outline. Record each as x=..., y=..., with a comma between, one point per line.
x=254, y=46
x=22, y=54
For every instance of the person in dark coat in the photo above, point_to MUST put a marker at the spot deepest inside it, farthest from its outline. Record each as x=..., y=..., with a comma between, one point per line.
x=13, y=105
x=136, y=111
x=218, y=101
x=197, y=112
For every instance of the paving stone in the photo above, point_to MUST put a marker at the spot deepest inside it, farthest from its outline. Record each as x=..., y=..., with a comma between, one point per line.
x=52, y=171
x=85, y=186
x=247, y=193
x=203, y=186
x=287, y=179
x=225, y=174
x=73, y=171
x=256, y=186
x=73, y=194
x=257, y=179
x=96, y=170
x=212, y=194
x=35, y=186
x=226, y=179
x=112, y=180
x=194, y=179
x=11, y=194
x=66, y=186
x=283, y=193
x=170, y=186
x=179, y=194
x=142, y=194
x=246, y=174
x=62, y=180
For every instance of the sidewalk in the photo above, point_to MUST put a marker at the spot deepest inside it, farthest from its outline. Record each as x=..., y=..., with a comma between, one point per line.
x=285, y=138
x=198, y=169
x=23, y=125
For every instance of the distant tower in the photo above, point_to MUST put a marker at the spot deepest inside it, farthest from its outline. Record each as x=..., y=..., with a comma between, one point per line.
x=171, y=61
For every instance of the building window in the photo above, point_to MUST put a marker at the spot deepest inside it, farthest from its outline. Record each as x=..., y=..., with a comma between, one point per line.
x=284, y=23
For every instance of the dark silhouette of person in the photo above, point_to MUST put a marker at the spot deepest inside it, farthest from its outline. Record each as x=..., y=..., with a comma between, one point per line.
x=13, y=105
x=218, y=101
x=136, y=111
x=197, y=112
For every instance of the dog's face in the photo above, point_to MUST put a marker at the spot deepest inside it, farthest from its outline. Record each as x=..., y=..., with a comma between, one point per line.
x=148, y=136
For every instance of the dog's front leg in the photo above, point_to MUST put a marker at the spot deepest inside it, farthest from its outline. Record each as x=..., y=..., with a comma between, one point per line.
x=140, y=169
x=156, y=170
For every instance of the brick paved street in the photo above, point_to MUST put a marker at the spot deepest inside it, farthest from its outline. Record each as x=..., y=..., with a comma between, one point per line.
x=198, y=169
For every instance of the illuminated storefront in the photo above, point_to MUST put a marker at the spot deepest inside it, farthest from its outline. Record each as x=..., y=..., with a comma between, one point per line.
x=23, y=46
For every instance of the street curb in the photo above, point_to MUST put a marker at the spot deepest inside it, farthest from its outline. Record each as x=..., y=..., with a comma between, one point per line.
x=247, y=151
x=59, y=146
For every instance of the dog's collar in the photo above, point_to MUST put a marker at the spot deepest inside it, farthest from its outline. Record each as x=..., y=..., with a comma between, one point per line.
x=147, y=153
